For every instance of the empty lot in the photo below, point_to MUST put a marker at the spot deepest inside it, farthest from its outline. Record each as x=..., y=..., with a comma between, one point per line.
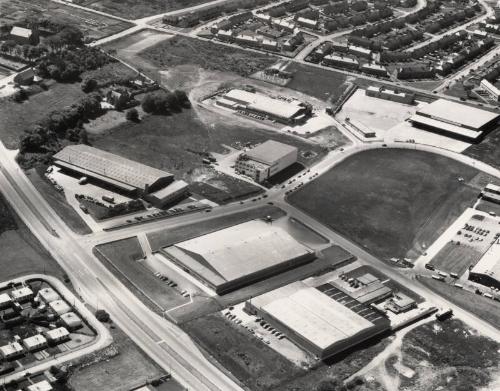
x=389, y=201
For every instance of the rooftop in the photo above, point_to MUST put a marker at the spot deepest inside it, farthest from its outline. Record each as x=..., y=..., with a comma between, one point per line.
x=21, y=32
x=270, y=151
x=489, y=264
x=457, y=114
x=312, y=314
x=237, y=251
x=124, y=172
x=171, y=189
x=472, y=134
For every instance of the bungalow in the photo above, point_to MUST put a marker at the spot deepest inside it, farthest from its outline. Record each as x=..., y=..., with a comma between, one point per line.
x=35, y=342
x=118, y=98
x=11, y=350
x=47, y=295
x=59, y=307
x=71, y=321
x=23, y=36
x=22, y=294
x=5, y=301
x=25, y=77
x=57, y=335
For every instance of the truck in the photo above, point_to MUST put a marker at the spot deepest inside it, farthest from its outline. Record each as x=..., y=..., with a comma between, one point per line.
x=108, y=198
x=429, y=266
x=488, y=295
x=443, y=315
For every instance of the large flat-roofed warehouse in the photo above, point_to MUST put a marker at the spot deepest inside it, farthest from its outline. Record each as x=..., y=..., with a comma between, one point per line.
x=266, y=160
x=317, y=320
x=487, y=270
x=228, y=259
x=289, y=111
x=113, y=170
x=455, y=120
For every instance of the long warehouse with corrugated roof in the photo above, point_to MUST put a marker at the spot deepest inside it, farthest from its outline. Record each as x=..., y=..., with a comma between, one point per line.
x=113, y=170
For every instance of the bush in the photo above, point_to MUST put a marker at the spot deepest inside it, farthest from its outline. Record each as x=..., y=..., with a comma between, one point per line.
x=19, y=96
x=89, y=85
x=132, y=115
x=161, y=102
x=102, y=316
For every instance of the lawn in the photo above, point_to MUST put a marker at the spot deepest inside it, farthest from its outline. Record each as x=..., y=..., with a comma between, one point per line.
x=456, y=259
x=92, y=25
x=480, y=306
x=487, y=150
x=390, y=201
x=123, y=258
x=17, y=117
x=248, y=359
x=22, y=253
x=320, y=83
x=135, y=9
x=449, y=355
x=181, y=50
x=122, y=366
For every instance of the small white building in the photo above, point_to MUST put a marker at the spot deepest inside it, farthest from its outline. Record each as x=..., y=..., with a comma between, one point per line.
x=59, y=307
x=311, y=23
x=168, y=195
x=5, y=301
x=57, y=335
x=11, y=350
x=71, y=321
x=35, y=342
x=47, y=295
x=43, y=385
x=22, y=294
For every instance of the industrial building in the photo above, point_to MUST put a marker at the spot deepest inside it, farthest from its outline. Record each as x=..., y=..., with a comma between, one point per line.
x=365, y=289
x=319, y=319
x=360, y=127
x=112, y=170
x=487, y=270
x=285, y=111
x=266, y=160
x=491, y=193
x=455, y=120
x=400, y=303
x=231, y=258
x=174, y=192
x=492, y=91
x=392, y=95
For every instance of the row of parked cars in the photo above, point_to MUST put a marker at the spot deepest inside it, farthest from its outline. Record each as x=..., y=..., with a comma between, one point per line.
x=169, y=212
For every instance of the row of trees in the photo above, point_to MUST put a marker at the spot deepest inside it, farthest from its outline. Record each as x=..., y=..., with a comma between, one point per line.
x=161, y=102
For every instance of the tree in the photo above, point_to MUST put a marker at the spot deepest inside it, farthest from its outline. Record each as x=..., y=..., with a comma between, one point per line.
x=19, y=96
x=148, y=103
x=330, y=385
x=89, y=85
x=182, y=98
x=102, y=316
x=132, y=115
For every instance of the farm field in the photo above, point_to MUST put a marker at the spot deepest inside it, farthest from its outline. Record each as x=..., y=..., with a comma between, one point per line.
x=392, y=202
x=486, y=309
x=450, y=355
x=17, y=117
x=93, y=26
x=322, y=84
x=132, y=9
x=22, y=253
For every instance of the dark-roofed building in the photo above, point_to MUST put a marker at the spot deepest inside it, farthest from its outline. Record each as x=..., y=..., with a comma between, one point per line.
x=25, y=77
x=115, y=171
x=266, y=160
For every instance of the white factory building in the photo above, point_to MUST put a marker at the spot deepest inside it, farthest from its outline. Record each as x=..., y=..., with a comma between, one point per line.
x=266, y=160
x=290, y=111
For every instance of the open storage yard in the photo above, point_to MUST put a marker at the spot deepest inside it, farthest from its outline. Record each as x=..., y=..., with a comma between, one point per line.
x=390, y=201
x=92, y=25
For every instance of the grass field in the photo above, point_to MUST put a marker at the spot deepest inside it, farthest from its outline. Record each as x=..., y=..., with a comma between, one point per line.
x=456, y=259
x=320, y=83
x=129, y=369
x=487, y=150
x=123, y=259
x=22, y=253
x=174, y=142
x=181, y=50
x=389, y=201
x=133, y=9
x=19, y=116
x=57, y=201
x=247, y=358
x=483, y=307
x=92, y=25
x=449, y=355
